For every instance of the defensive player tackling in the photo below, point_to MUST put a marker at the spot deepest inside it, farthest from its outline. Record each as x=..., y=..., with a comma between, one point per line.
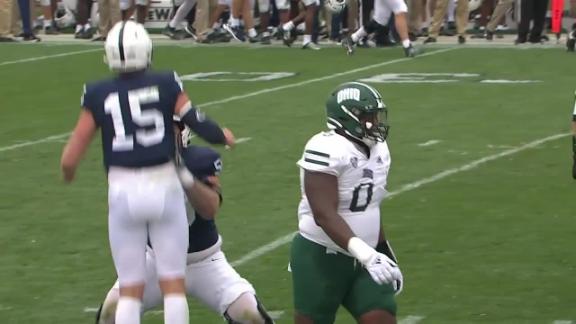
x=209, y=276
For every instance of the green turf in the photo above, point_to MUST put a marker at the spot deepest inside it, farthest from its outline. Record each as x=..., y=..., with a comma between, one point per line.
x=493, y=244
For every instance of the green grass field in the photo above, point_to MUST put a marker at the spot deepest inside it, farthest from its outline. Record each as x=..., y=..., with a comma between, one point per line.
x=482, y=213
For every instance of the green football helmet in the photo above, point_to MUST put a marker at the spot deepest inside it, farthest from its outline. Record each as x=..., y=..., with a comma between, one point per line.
x=357, y=109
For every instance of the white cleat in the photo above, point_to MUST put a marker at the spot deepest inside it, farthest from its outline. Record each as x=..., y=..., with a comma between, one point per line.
x=311, y=45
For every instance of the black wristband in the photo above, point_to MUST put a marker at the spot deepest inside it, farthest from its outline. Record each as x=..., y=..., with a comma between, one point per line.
x=574, y=145
x=204, y=127
x=384, y=248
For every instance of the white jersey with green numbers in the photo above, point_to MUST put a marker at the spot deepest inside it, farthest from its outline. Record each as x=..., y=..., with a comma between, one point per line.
x=361, y=185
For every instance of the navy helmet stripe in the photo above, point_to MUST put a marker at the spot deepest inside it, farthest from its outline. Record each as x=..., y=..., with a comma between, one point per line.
x=121, y=42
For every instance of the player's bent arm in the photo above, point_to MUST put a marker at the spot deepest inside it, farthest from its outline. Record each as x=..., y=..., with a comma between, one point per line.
x=77, y=144
x=207, y=129
x=204, y=199
x=322, y=194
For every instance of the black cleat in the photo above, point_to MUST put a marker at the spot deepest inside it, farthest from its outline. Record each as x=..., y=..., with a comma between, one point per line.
x=409, y=51
x=51, y=30
x=169, y=31
x=30, y=38
x=84, y=34
x=429, y=40
x=174, y=33
x=489, y=35
x=461, y=40
x=191, y=31
x=255, y=39
x=288, y=37
x=236, y=32
x=266, y=39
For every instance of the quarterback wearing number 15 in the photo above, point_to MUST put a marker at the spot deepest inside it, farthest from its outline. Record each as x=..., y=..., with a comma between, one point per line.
x=146, y=202
x=340, y=255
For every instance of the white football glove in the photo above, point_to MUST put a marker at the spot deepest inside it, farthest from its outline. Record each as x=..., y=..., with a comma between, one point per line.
x=398, y=284
x=380, y=267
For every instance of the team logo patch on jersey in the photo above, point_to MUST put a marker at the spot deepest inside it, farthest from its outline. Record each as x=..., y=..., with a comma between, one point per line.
x=354, y=162
x=367, y=173
x=379, y=160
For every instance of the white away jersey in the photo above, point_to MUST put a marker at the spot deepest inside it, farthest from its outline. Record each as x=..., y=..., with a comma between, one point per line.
x=361, y=185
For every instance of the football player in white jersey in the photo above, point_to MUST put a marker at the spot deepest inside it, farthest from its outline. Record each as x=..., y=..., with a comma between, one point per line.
x=340, y=255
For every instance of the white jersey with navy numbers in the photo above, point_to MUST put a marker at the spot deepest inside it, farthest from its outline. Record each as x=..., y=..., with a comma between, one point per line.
x=361, y=185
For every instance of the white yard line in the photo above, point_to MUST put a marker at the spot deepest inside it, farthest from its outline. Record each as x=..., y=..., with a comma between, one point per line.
x=562, y=322
x=408, y=187
x=249, y=94
x=430, y=142
x=263, y=249
x=276, y=314
x=474, y=164
x=243, y=140
x=40, y=58
x=411, y=319
x=28, y=143
x=324, y=78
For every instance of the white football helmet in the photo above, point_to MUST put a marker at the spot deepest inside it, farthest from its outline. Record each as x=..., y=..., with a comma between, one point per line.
x=64, y=16
x=335, y=5
x=128, y=47
x=473, y=4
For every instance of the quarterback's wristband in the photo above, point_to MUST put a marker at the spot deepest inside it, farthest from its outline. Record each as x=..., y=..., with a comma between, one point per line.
x=207, y=129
